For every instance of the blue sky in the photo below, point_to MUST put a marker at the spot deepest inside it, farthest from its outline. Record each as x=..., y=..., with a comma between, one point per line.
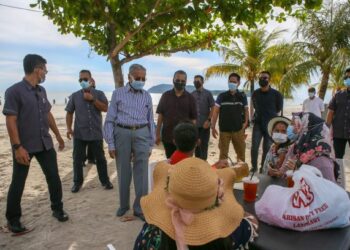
x=23, y=32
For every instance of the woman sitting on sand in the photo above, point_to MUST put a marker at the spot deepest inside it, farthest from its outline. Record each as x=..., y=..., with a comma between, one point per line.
x=192, y=207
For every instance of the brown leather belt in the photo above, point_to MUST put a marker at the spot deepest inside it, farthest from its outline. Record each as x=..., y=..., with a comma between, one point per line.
x=132, y=127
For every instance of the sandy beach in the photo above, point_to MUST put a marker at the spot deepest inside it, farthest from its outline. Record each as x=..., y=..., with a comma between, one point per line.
x=92, y=223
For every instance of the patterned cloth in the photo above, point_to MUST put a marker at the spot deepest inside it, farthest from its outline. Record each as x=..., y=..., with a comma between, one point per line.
x=150, y=236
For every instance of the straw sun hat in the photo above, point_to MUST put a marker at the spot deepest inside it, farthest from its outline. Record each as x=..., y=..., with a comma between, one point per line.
x=276, y=119
x=192, y=185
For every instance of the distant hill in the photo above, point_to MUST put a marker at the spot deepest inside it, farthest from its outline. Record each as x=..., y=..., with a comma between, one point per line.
x=161, y=88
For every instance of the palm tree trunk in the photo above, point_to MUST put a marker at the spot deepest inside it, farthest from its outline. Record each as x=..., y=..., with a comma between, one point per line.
x=251, y=87
x=324, y=84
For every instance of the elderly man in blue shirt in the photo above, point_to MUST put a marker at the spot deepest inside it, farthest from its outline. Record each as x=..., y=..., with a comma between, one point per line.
x=129, y=130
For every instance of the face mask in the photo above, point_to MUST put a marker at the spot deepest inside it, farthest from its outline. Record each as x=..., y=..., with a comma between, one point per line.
x=138, y=85
x=347, y=82
x=197, y=84
x=311, y=94
x=84, y=84
x=179, y=85
x=263, y=82
x=291, y=135
x=232, y=86
x=279, y=137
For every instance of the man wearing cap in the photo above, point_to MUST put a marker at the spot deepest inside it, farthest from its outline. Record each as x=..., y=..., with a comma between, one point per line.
x=28, y=119
x=313, y=104
x=88, y=105
x=129, y=130
x=232, y=109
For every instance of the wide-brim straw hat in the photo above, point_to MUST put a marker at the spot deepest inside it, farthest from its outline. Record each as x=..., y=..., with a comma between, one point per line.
x=193, y=185
x=275, y=120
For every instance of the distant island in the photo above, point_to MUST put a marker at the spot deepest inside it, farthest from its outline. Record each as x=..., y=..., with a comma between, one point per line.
x=161, y=88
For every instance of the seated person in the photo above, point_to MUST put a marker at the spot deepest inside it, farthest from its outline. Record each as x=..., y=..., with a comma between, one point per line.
x=185, y=139
x=192, y=206
x=312, y=146
x=277, y=129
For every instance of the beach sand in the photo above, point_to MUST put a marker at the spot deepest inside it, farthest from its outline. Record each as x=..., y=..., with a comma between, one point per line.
x=92, y=223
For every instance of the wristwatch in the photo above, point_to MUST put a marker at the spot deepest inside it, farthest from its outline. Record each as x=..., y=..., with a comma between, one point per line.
x=16, y=146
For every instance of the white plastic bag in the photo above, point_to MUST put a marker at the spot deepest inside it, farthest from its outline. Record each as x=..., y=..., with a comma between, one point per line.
x=313, y=203
x=151, y=167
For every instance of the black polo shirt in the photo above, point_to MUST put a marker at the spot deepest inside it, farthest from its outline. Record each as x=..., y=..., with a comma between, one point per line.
x=340, y=104
x=232, y=110
x=175, y=109
x=266, y=105
x=31, y=106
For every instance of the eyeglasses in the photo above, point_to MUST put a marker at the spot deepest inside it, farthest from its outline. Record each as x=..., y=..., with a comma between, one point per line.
x=83, y=79
x=44, y=69
x=143, y=79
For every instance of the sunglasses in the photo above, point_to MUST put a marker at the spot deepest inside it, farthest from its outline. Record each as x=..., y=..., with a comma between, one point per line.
x=180, y=81
x=83, y=79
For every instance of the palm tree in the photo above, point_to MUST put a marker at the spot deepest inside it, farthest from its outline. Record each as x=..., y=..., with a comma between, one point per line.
x=326, y=37
x=257, y=53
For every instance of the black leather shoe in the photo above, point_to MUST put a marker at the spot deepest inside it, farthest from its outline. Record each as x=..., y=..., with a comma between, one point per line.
x=141, y=216
x=16, y=227
x=75, y=188
x=121, y=212
x=60, y=215
x=108, y=185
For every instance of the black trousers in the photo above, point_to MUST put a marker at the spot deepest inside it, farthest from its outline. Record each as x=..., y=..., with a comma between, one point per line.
x=79, y=156
x=169, y=149
x=48, y=163
x=339, y=145
x=202, y=149
x=90, y=155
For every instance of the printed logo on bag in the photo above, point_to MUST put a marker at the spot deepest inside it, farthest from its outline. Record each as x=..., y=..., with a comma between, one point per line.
x=303, y=197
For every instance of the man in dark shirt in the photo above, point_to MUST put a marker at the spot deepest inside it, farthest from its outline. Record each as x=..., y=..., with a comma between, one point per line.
x=232, y=109
x=28, y=119
x=339, y=118
x=175, y=106
x=87, y=104
x=205, y=108
x=266, y=103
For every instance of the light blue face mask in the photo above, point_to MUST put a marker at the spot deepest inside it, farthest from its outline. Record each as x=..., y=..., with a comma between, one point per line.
x=347, y=82
x=232, y=86
x=292, y=136
x=138, y=85
x=84, y=84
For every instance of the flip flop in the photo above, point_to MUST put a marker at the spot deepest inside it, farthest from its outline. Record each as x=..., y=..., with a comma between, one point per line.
x=4, y=229
x=126, y=218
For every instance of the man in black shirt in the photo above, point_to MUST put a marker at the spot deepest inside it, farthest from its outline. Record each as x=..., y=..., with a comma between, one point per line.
x=232, y=109
x=266, y=103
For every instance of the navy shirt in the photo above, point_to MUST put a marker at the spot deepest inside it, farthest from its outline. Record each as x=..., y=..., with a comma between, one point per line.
x=31, y=106
x=340, y=104
x=232, y=110
x=205, y=102
x=266, y=105
x=88, y=119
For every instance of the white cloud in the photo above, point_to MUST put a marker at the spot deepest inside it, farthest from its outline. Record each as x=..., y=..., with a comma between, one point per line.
x=20, y=26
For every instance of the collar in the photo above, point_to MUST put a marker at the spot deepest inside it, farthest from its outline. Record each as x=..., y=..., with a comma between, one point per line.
x=177, y=156
x=29, y=86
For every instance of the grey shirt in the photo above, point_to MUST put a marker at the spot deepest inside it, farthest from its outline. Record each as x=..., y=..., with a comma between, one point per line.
x=205, y=101
x=88, y=119
x=31, y=106
x=340, y=104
